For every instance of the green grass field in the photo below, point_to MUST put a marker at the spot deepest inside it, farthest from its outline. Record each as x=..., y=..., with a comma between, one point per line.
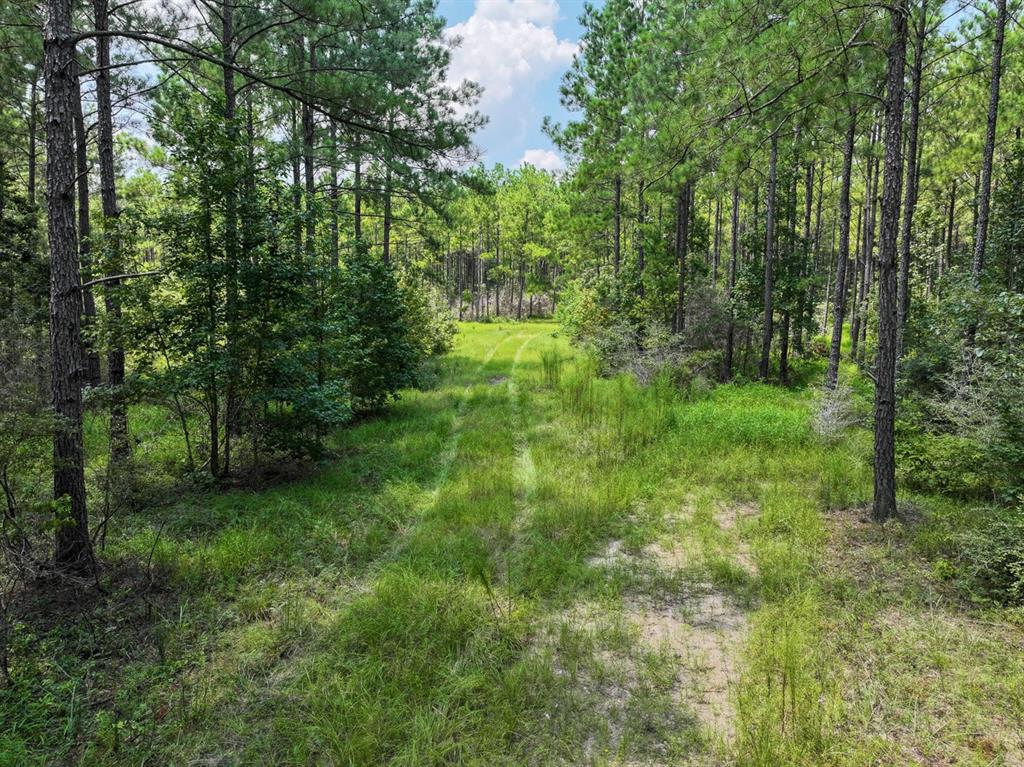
x=529, y=565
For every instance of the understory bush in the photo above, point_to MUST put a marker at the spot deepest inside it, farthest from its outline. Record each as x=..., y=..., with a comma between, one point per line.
x=991, y=555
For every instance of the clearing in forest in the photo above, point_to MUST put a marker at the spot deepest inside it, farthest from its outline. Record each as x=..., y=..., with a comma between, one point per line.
x=527, y=564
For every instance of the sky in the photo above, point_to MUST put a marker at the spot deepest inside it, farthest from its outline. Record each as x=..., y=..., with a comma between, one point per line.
x=517, y=50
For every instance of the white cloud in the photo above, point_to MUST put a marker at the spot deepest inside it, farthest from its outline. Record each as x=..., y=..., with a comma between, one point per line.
x=543, y=12
x=542, y=159
x=508, y=46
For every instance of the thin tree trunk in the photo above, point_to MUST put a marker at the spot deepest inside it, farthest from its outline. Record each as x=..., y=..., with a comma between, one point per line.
x=335, y=236
x=832, y=376
x=641, y=264
x=718, y=240
x=985, y=188
x=232, y=421
x=769, y=257
x=617, y=225
x=296, y=162
x=92, y=358
x=387, y=216
x=885, y=368
x=33, y=126
x=682, y=253
x=309, y=167
x=730, y=333
x=120, y=448
x=949, y=230
x=72, y=545
x=357, y=196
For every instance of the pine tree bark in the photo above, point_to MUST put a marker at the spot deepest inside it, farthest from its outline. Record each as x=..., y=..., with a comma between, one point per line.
x=335, y=234
x=357, y=196
x=120, y=449
x=617, y=225
x=985, y=185
x=910, y=203
x=832, y=376
x=72, y=545
x=730, y=333
x=884, y=506
x=769, y=267
x=232, y=406
x=682, y=253
x=92, y=358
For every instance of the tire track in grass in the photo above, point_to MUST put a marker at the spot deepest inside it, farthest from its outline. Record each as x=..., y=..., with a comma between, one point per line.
x=451, y=449
x=526, y=471
x=448, y=456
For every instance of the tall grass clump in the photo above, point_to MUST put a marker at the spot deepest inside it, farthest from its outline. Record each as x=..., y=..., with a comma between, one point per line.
x=578, y=391
x=785, y=701
x=551, y=361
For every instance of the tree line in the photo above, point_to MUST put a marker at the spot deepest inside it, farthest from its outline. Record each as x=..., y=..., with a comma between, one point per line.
x=201, y=207
x=767, y=181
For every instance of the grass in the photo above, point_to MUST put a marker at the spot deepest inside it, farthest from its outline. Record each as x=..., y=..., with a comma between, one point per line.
x=515, y=567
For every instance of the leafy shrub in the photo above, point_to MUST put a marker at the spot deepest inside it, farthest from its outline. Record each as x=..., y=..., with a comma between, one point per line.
x=944, y=463
x=379, y=355
x=991, y=558
x=429, y=317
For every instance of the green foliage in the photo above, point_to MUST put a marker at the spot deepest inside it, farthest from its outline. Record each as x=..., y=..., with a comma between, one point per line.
x=990, y=556
x=429, y=317
x=378, y=353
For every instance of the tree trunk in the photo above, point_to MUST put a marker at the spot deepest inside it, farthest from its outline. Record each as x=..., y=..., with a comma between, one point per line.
x=120, y=448
x=92, y=358
x=985, y=188
x=33, y=125
x=296, y=184
x=387, y=216
x=718, y=241
x=784, y=348
x=831, y=377
x=885, y=368
x=308, y=165
x=335, y=237
x=617, y=225
x=232, y=421
x=641, y=264
x=949, y=229
x=903, y=299
x=730, y=333
x=357, y=196
x=682, y=253
x=769, y=257
x=72, y=545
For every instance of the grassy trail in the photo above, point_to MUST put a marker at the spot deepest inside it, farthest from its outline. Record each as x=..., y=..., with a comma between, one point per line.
x=526, y=564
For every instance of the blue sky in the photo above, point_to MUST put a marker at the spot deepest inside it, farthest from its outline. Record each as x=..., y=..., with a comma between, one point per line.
x=517, y=50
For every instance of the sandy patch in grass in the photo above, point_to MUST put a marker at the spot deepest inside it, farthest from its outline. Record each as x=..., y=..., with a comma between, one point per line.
x=702, y=629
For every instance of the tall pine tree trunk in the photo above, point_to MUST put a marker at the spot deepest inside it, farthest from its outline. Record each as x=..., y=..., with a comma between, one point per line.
x=232, y=408
x=985, y=185
x=885, y=368
x=119, y=444
x=910, y=203
x=835, y=349
x=72, y=545
x=92, y=358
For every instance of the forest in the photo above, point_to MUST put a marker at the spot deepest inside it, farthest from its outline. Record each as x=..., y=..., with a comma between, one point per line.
x=325, y=438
